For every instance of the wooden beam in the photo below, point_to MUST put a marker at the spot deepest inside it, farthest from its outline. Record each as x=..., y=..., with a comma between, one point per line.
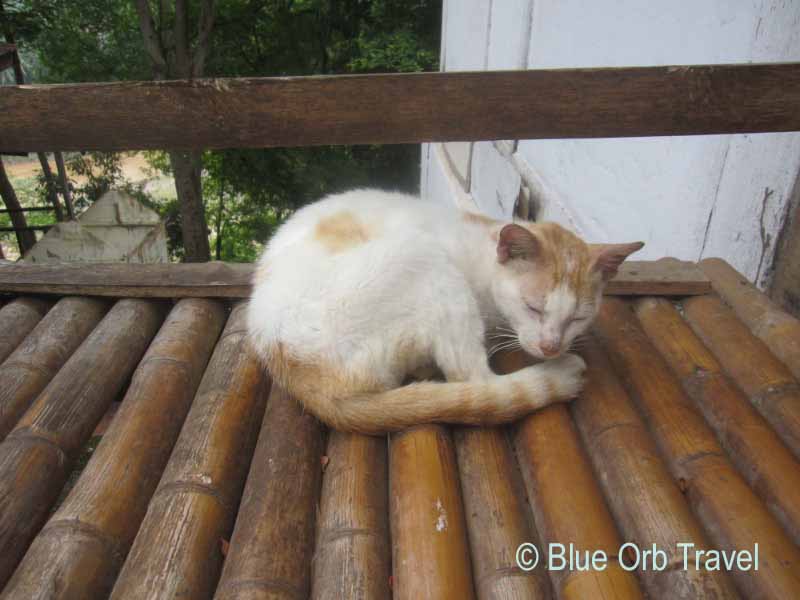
x=402, y=108
x=666, y=277
x=210, y=280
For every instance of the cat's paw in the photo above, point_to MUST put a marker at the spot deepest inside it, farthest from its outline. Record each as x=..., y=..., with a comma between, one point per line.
x=564, y=376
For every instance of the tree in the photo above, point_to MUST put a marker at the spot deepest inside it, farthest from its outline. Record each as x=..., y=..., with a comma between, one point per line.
x=246, y=193
x=25, y=237
x=171, y=56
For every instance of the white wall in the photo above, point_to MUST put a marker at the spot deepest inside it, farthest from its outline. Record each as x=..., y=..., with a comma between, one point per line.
x=688, y=197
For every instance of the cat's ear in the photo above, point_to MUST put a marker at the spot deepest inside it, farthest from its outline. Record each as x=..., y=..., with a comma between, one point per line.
x=606, y=258
x=515, y=241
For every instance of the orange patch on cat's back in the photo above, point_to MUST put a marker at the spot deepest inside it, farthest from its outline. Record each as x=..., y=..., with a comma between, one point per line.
x=341, y=231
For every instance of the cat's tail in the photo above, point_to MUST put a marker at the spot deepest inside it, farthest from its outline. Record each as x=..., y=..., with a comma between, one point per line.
x=498, y=399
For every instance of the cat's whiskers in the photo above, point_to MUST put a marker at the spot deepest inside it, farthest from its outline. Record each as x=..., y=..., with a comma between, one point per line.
x=507, y=345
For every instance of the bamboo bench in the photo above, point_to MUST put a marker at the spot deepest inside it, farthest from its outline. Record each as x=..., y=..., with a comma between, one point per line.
x=210, y=482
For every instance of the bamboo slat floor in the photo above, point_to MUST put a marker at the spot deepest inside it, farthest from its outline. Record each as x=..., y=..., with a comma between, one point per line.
x=212, y=483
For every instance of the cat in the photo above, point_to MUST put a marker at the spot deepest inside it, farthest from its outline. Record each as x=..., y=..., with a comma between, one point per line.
x=359, y=290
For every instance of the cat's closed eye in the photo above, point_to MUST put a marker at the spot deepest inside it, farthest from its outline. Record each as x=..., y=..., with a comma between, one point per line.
x=534, y=310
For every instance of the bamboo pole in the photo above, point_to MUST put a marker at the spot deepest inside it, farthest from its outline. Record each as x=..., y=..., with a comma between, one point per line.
x=498, y=520
x=429, y=538
x=748, y=361
x=352, y=558
x=81, y=548
x=645, y=500
x=176, y=552
x=273, y=541
x=777, y=328
x=729, y=510
x=30, y=367
x=762, y=459
x=36, y=457
x=567, y=503
x=17, y=319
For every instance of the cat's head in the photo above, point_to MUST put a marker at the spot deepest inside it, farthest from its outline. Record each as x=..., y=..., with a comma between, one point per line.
x=549, y=283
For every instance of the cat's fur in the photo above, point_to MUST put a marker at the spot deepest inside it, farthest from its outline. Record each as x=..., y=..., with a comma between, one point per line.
x=359, y=290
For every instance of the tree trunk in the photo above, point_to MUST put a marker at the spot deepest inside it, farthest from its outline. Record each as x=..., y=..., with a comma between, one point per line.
x=220, y=213
x=183, y=63
x=25, y=239
x=50, y=186
x=64, y=183
x=186, y=170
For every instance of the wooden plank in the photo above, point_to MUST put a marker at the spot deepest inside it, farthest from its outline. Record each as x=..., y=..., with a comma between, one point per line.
x=498, y=520
x=763, y=460
x=668, y=277
x=645, y=500
x=177, y=550
x=212, y=279
x=663, y=277
x=36, y=457
x=402, y=108
x=731, y=513
x=38, y=358
x=272, y=544
x=748, y=361
x=353, y=556
x=773, y=325
x=81, y=548
x=429, y=537
x=566, y=500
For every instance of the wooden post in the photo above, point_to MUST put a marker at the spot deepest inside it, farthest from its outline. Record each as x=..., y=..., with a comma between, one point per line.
x=81, y=548
x=498, y=519
x=272, y=544
x=50, y=186
x=566, y=500
x=766, y=380
x=429, y=537
x=177, y=551
x=352, y=557
x=64, y=183
x=17, y=319
x=36, y=457
x=645, y=500
x=40, y=355
x=729, y=510
x=777, y=328
x=762, y=459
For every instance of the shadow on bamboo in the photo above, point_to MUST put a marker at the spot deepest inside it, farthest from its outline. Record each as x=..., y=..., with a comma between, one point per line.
x=36, y=457
x=81, y=548
x=731, y=514
x=273, y=541
x=566, y=500
x=177, y=549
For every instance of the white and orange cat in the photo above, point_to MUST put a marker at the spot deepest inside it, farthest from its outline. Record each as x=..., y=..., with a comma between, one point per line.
x=358, y=291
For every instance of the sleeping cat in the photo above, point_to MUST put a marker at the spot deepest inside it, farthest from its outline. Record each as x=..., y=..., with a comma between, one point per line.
x=360, y=290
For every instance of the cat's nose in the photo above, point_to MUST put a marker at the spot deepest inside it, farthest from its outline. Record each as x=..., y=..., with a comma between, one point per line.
x=550, y=347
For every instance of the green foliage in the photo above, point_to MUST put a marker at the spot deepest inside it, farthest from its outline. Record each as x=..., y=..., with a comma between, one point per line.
x=248, y=193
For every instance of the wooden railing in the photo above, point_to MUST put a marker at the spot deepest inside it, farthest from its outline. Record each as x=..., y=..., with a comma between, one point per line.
x=402, y=108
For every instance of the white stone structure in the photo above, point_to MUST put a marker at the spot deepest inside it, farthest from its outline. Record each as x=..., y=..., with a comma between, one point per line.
x=116, y=228
x=688, y=197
